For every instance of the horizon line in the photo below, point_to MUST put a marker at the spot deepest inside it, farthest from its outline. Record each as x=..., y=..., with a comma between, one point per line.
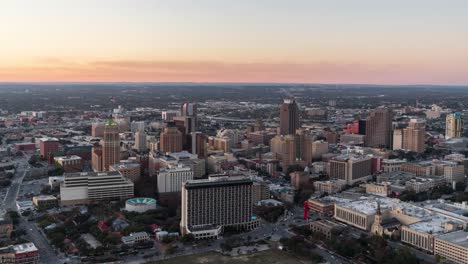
x=230, y=83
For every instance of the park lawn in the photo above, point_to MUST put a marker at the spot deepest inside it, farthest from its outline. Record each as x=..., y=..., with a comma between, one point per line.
x=264, y=257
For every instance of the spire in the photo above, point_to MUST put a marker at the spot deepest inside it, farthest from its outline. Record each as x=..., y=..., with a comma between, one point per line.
x=378, y=208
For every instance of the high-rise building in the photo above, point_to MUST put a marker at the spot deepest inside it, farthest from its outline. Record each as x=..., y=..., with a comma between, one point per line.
x=397, y=139
x=289, y=117
x=96, y=158
x=379, y=128
x=97, y=129
x=169, y=115
x=170, y=139
x=285, y=149
x=199, y=147
x=188, y=115
x=170, y=179
x=414, y=136
x=453, y=126
x=140, y=141
x=209, y=205
x=351, y=168
x=137, y=126
x=110, y=145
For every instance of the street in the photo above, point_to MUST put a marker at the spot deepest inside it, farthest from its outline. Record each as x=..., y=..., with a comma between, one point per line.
x=46, y=252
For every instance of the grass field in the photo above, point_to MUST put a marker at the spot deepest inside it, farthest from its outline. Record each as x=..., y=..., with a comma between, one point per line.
x=265, y=257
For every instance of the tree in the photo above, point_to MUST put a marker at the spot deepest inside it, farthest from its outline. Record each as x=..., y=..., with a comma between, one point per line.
x=33, y=160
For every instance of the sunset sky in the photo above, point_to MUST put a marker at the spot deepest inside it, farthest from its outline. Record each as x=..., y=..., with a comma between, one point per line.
x=303, y=41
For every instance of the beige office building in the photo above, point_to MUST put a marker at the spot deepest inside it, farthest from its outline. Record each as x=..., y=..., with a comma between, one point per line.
x=414, y=136
x=452, y=246
x=285, y=149
x=351, y=168
x=397, y=139
x=92, y=187
x=453, y=126
x=455, y=173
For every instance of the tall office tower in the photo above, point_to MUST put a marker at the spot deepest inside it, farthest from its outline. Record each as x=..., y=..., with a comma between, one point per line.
x=110, y=145
x=285, y=148
x=169, y=115
x=97, y=129
x=96, y=157
x=453, y=126
x=140, y=141
x=289, y=117
x=379, y=128
x=137, y=126
x=189, y=112
x=397, y=139
x=209, y=205
x=414, y=136
x=170, y=139
x=199, y=147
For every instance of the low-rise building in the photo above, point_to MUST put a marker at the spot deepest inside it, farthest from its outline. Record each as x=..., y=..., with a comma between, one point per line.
x=425, y=168
x=323, y=206
x=391, y=165
x=20, y=254
x=45, y=201
x=69, y=163
x=381, y=189
x=326, y=227
x=452, y=246
x=135, y=238
x=421, y=184
x=329, y=187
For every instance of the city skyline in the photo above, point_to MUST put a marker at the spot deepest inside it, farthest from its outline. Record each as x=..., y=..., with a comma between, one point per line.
x=421, y=42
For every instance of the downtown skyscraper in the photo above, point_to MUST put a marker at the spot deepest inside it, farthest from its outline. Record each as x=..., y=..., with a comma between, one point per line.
x=110, y=145
x=379, y=128
x=289, y=117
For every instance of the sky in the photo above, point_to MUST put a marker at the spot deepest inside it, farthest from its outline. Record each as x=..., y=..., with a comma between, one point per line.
x=290, y=41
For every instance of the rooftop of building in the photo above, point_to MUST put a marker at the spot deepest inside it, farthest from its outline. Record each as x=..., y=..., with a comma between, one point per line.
x=434, y=225
x=49, y=139
x=218, y=181
x=328, y=200
x=394, y=161
x=351, y=157
x=328, y=223
x=459, y=238
x=45, y=197
x=126, y=165
x=91, y=174
x=72, y=157
x=426, y=179
x=24, y=248
x=111, y=122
